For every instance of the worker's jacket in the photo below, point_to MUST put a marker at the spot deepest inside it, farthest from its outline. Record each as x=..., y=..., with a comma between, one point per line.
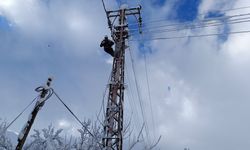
x=107, y=44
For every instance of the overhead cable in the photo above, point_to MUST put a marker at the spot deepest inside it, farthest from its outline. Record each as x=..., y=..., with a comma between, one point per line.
x=21, y=113
x=195, y=36
x=73, y=114
x=196, y=27
x=200, y=14
x=103, y=98
x=139, y=95
x=203, y=21
x=149, y=91
x=104, y=7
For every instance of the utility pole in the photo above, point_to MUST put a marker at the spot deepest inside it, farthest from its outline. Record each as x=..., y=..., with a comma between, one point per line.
x=113, y=123
x=45, y=93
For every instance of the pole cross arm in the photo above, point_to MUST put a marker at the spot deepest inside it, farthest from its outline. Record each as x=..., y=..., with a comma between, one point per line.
x=128, y=11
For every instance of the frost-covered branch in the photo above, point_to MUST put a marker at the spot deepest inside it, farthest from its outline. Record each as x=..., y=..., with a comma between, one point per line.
x=5, y=143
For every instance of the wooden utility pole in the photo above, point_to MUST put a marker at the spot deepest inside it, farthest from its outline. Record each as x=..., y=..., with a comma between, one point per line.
x=45, y=93
x=113, y=123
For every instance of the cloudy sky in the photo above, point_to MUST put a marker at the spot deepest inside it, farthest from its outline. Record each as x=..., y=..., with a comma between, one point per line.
x=198, y=86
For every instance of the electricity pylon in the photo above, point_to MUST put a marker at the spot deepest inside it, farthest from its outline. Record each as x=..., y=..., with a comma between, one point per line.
x=45, y=93
x=113, y=123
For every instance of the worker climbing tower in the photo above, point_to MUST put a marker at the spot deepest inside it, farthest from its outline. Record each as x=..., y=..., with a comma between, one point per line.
x=113, y=123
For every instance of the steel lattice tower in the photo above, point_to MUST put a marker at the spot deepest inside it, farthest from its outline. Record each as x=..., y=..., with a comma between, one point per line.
x=113, y=123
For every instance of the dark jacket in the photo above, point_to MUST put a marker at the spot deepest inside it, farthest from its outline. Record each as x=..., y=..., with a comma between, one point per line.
x=107, y=44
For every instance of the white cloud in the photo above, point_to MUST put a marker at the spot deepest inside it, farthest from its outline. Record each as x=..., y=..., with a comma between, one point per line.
x=188, y=109
x=205, y=108
x=208, y=82
x=60, y=38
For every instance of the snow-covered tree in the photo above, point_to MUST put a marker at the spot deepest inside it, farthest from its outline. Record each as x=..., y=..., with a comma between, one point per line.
x=67, y=143
x=89, y=141
x=49, y=140
x=90, y=137
x=5, y=142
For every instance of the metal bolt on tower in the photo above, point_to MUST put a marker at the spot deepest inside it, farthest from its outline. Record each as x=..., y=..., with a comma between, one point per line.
x=113, y=123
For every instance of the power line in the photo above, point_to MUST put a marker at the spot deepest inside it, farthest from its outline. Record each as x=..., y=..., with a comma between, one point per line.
x=148, y=87
x=149, y=91
x=237, y=8
x=201, y=25
x=107, y=16
x=21, y=112
x=197, y=27
x=103, y=98
x=73, y=114
x=131, y=95
x=219, y=11
x=181, y=23
x=134, y=104
x=194, y=36
x=104, y=7
x=221, y=19
x=139, y=95
x=137, y=118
